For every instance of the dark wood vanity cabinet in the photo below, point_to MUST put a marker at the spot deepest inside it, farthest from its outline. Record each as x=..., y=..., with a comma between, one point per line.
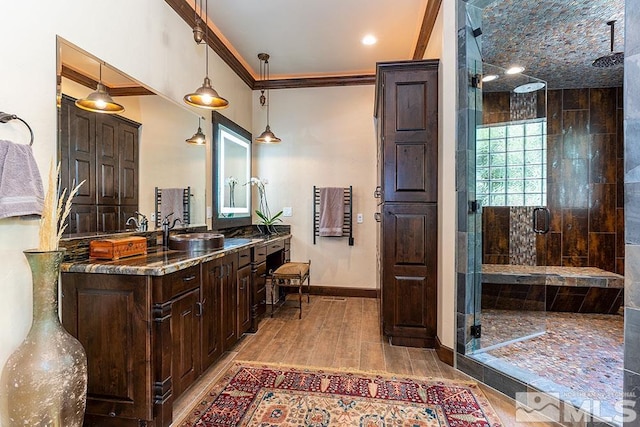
x=148, y=338
x=407, y=127
x=102, y=150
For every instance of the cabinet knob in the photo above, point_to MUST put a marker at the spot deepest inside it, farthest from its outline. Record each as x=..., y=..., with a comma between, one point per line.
x=199, y=309
x=112, y=414
x=188, y=278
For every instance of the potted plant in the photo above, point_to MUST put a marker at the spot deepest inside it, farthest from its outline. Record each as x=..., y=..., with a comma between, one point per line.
x=265, y=218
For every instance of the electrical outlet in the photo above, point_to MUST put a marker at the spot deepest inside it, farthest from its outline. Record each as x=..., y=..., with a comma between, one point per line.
x=153, y=217
x=287, y=211
x=359, y=218
x=209, y=212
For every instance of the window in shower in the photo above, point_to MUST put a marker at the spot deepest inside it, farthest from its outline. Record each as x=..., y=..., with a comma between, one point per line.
x=511, y=163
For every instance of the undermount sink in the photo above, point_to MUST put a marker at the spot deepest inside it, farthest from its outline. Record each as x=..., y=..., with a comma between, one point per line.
x=196, y=242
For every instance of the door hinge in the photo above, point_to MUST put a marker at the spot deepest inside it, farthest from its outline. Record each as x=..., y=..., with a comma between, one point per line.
x=476, y=81
x=474, y=206
x=476, y=331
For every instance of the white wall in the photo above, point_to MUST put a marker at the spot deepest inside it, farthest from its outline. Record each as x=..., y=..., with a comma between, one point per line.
x=145, y=39
x=442, y=45
x=447, y=205
x=328, y=140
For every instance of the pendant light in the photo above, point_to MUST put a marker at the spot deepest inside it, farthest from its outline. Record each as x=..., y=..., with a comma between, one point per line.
x=206, y=96
x=198, y=138
x=100, y=101
x=266, y=137
x=198, y=32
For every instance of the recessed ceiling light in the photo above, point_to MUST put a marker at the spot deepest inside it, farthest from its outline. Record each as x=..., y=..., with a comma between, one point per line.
x=369, y=39
x=515, y=70
x=489, y=77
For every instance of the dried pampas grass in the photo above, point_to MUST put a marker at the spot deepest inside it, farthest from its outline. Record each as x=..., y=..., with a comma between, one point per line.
x=55, y=211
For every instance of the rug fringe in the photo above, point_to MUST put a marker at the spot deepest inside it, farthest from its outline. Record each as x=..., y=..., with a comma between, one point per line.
x=352, y=371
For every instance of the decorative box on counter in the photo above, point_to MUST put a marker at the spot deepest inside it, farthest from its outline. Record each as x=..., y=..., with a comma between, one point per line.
x=118, y=248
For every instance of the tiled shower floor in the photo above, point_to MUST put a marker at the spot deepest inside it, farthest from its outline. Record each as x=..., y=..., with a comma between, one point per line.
x=579, y=355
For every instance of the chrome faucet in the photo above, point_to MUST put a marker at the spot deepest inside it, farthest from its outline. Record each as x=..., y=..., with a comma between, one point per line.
x=166, y=226
x=134, y=220
x=141, y=225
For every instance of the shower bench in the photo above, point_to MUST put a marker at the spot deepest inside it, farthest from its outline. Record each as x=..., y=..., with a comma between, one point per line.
x=568, y=289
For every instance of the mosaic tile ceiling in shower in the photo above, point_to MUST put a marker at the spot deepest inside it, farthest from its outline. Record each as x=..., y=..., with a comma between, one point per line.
x=555, y=40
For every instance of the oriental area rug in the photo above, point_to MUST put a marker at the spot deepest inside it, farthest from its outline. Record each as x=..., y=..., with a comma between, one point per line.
x=252, y=394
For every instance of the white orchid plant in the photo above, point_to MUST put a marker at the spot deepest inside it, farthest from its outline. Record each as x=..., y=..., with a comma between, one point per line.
x=263, y=213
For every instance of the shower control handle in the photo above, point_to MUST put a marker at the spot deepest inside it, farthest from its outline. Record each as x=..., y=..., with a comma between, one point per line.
x=544, y=227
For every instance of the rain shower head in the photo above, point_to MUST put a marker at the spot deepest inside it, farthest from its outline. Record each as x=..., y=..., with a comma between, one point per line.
x=613, y=58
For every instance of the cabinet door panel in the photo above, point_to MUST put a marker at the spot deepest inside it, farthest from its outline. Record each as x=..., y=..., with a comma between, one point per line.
x=82, y=219
x=258, y=292
x=409, y=270
x=229, y=302
x=128, y=144
x=78, y=150
x=244, y=300
x=109, y=315
x=410, y=130
x=107, y=161
x=185, y=337
x=211, y=292
x=108, y=218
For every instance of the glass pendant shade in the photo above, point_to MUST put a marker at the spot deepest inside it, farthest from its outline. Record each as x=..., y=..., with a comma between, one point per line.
x=198, y=138
x=268, y=137
x=206, y=97
x=100, y=102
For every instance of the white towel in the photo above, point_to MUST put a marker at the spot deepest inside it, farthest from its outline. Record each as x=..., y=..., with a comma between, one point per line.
x=21, y=191
x=331, y=211
x=172, y=202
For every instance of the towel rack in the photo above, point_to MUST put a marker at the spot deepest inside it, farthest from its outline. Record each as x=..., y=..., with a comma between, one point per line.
x=347, y=225
x=6, y=117
x=186, y=205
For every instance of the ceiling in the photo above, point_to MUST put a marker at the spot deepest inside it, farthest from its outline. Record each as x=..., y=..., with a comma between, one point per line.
x=318, y=38
x=555, y=40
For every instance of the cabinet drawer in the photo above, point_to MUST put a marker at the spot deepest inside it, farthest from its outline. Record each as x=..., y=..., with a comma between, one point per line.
x=259, y=254
x=244, y=257
x=166, y=287
x=275, y=247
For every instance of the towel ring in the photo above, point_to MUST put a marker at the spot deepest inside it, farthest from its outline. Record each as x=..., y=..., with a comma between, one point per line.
x=6, y=117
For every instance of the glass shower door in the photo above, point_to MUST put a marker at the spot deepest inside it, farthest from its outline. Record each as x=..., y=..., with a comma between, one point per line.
x=511, y=178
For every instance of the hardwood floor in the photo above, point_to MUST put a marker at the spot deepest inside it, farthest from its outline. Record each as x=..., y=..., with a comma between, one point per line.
x=335, y=332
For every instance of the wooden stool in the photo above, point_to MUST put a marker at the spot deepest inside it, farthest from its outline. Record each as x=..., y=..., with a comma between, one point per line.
x=285, y=274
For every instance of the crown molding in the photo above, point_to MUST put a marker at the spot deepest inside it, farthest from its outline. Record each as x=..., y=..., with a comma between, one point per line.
x=87, y=81
x=186, y=12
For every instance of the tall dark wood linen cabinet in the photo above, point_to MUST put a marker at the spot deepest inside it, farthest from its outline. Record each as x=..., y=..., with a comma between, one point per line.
x=406, y=112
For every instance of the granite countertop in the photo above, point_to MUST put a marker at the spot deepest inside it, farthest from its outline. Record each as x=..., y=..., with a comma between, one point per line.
x=160, y=260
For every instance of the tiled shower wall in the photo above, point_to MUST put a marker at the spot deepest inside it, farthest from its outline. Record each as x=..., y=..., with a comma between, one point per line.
x=584, y=181
x=468, y=251
x=632, y=204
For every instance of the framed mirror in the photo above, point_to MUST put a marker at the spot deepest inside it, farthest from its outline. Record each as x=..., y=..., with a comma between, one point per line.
x=157, y=146
x=231, y=173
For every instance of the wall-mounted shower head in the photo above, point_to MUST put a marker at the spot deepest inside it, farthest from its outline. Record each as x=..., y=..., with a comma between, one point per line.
x=613, y=58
